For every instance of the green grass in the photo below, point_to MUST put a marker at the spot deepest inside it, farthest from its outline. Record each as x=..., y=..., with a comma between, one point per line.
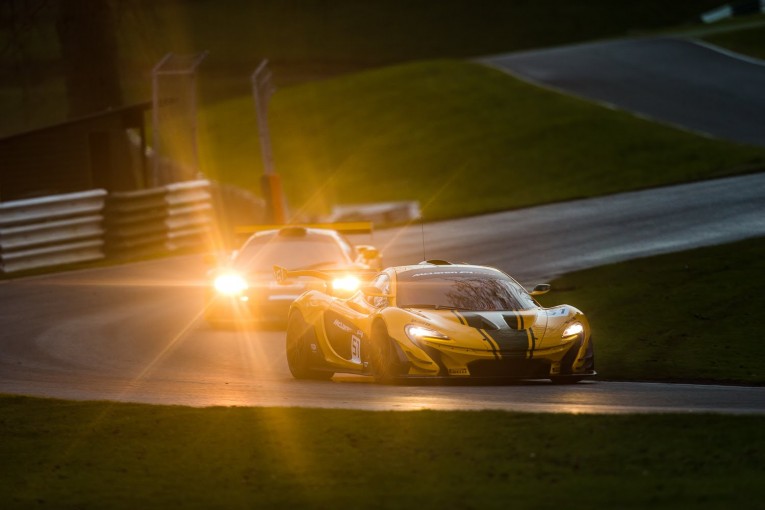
x=689, y=316
x=59, y=454
x=748, y=41
x=459, y=137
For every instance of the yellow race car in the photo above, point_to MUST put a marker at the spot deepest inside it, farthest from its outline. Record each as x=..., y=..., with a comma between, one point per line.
x=436, y=319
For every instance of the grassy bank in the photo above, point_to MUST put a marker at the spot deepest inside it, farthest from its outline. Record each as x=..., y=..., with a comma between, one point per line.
x=459, y=137
x=748, y=40
x=693, y=316
x=99, y=455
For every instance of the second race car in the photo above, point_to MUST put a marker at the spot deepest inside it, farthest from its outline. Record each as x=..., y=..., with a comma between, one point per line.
x=242, y=289
x=437, y=319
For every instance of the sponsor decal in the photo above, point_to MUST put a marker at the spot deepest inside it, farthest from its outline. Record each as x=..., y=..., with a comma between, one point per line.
x=355, y=349
x=342, y=325
x=459, y=371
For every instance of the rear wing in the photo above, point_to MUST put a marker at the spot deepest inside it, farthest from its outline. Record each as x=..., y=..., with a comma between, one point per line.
x=282, y=274
x=353, y=227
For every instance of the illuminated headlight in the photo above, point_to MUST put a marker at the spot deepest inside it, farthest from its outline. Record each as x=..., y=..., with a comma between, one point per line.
x=575, y=328
x=346, y=284
x=416, y=333
x=230, y=284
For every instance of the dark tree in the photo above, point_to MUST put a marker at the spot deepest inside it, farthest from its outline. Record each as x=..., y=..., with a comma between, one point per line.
x=87, y=36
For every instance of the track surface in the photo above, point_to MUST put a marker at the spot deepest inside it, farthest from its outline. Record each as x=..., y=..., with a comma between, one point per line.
x=680, y=82
x=133, y=333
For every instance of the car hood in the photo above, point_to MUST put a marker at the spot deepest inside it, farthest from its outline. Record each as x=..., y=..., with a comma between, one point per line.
x=508, y=331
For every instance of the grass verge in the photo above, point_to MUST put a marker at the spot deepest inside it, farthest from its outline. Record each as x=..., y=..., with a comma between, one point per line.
x=747, y=40
x=101, y=455
x=689, y=316
x=459, y=137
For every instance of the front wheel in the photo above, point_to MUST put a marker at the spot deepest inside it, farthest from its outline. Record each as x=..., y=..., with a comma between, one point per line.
x=589, y=367
x=300, y=338
x=383, y=356
x=565, y=379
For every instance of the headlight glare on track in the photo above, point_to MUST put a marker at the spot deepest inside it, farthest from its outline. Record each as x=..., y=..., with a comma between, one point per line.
x=348, y=283
x=230, y=284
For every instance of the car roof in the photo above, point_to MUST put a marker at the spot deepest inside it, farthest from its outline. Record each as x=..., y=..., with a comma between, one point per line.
x=444, y=267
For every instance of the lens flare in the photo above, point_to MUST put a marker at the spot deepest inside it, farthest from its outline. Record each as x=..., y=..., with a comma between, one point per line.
x=348, y=283
x=230, y=284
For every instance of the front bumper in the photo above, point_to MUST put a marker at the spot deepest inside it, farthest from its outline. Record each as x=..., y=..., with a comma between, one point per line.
x=244, y=309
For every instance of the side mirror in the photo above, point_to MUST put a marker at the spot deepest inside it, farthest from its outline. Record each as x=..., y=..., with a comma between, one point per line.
x=370, y=256
x=367, y=251
x=280, y=274
x=542, y=288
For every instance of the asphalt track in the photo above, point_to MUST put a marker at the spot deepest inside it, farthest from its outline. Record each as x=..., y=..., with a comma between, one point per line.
x=677, y=81
x=133, y=332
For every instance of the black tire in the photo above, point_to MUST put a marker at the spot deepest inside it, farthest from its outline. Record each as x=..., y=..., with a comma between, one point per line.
x=589, y=367
x=300, y=336
x=383, y=359
x=566, y=380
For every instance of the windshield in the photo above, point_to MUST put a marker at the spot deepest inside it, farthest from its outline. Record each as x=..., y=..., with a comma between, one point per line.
x=464, y=288
x=260, y=254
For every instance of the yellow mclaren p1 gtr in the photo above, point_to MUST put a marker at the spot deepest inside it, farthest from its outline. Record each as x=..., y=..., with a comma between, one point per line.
x=436, y=319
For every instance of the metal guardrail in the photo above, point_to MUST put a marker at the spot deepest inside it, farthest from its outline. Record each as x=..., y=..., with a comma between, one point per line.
x=159, y=219
x=135, y=222
x=189, y=213
x=80, y=227
x=52, y=230
x=740, y=8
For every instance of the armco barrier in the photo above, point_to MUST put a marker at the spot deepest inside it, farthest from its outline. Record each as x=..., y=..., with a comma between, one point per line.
x=189, y=213
x=157, y=220
x=80, y=227
x=135, y=222
x=52, y=230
